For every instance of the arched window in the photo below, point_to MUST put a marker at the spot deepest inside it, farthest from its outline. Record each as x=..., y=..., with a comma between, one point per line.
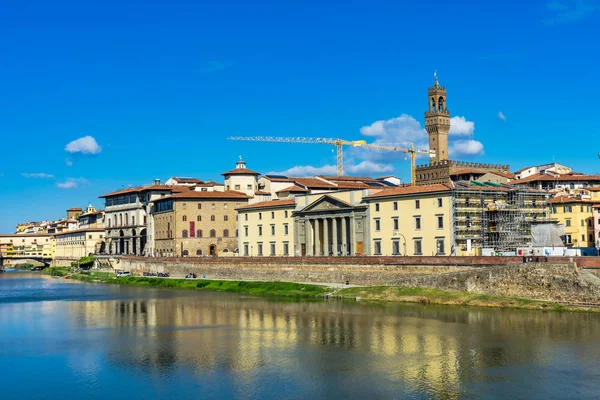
x=120, y=219
x=198, y=252
x=441, y=103
x=226, y=233
x=199, y=218
x=212, y=217
x=109, y=223
x=433, y=104
x=115, y=220
x=186, y=253
x=126, y=219
x=213, y=233
x=184, y=218
x=199, y=233
x=184, y=233
x=225, y=218
x=132, y=220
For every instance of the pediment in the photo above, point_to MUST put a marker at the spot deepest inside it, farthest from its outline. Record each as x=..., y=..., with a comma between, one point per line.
x=327, y=203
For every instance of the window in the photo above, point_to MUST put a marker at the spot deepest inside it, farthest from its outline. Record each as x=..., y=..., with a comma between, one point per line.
x=225, y=218
x=417, y=204
x=184, y=233
x=109, y=223
x=260, y=230
x=582, y=223
x=186, y=253
x=90, y=236
x=377, y=224
x=259, y=249
x=245, y=249
x=184, y=206
x=285, y=214
x=259, y=216
x=568, y=239
x=245, y=217
x=591, y=237
x=246, y=230
x=145, y=220
x=376, y=207
x=567, y=222
x=418, y=223
x=212, y=218
x=396, y=223
x=589, y=222
x=580, y=208
x=286, y=249
x=213, y=233
x=199, y=206
x=184, y=218
x=225, y=206
x=417, y=247
x=440, y=203
x=272, y=230
x=199, y=218
x=395, y=205
x=198, y=253
x=272, y=214
x=568, y=209
x=395, y=247
x=439, y=244
x=236, y=233
x=272, y=248
x=377, y=247
x=199, y=233
x=249, y=187
x=226, y=233
x=212, y=206
x=285, y=229
x=440, y=222
x=237, y=187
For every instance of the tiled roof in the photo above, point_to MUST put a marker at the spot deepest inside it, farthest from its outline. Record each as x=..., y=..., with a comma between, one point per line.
x=240, y=171
x=270, y=203
x=565, y=199
x=507, y=175
x=186, y=180
x=353, y=185
x=408, y=190
x=147, y=188
x=262, y=193
x=293, y=188
x=557, y=178
x=465, y=171
x=348, y=178
x=192, y=194
x=313, y=183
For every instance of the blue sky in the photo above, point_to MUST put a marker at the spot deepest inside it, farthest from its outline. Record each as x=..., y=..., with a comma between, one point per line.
x=158, y=87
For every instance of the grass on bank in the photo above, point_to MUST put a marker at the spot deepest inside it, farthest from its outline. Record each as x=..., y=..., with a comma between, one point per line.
x=448, y=297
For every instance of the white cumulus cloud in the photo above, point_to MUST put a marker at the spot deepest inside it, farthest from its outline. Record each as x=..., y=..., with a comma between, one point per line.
x=72, y=183
x=41, y=175
x=465, y=148
x=459, y=126
x=362, y=168
x=84, y=145
x=502, y=116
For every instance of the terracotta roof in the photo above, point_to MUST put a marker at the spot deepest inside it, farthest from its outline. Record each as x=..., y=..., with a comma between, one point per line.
x=207, y=184
x=240, y=171
x=147, y=188
x=557, y=178
x=277, y=178
x=313, y=183
x=565, y=199
x=79, y=231
x=596, y=206
x=192, y=194
x=293, y=188
x=592, y=189
x=353, y=185
x=408, y=190
x=507, y=175
x=186, y=180
x=465, y=171
x=270, y=203
x=348, y=178
x=262, y=193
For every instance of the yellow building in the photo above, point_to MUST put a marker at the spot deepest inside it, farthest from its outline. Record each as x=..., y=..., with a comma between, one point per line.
x=413, y=220
x=73, y=245
x=26, y=245
x=266, y=228
x=577, y=217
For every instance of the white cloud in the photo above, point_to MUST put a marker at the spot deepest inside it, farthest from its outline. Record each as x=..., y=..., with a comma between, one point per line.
x=69, y=162
x=400, y=131
x=466, y=148
x=84, y=145
x=363, y=168
x=570, y=10
x=459, y=126
x=502, y=116
x=72, y=183
x=41, y=175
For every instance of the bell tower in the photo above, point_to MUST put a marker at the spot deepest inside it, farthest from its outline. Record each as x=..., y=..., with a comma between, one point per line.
x=437, y=121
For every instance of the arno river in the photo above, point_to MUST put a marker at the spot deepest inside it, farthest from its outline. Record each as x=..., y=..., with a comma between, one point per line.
x=70, y=340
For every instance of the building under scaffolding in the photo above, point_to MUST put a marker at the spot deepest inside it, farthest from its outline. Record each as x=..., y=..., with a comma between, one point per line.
x=495, y=218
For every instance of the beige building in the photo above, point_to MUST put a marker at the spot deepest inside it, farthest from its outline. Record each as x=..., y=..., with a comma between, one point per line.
x=79, y=243
x=196, y=223
x=413, y=220
x=241, y=179
x=24, y=245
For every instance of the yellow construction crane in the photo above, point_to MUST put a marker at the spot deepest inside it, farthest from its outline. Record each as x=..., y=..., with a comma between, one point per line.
x=335, y=142
x=339, y=143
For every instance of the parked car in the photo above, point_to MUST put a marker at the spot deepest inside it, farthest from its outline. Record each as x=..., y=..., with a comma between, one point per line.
x=191, y=275
x=123, y=273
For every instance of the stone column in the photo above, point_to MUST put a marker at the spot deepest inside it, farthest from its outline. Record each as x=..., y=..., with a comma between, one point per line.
x=326, y=237
x=317, y=239
x=334, y=237
x=352, y=235
x=308, y=237
x=344, y=236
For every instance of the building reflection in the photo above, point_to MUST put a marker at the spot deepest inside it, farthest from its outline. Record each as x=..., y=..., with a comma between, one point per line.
x=429, y=350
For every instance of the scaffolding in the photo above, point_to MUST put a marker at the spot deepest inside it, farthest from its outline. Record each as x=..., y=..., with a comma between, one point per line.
x=497, y=217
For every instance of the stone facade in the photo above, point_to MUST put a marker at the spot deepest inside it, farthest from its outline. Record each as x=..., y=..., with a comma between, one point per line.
x=79, y=243
x=193, y=224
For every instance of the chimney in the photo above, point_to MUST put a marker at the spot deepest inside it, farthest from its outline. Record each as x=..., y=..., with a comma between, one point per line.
x=157, y=182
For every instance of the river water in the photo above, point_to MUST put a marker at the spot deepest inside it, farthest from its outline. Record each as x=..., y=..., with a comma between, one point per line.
x=68, y=340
